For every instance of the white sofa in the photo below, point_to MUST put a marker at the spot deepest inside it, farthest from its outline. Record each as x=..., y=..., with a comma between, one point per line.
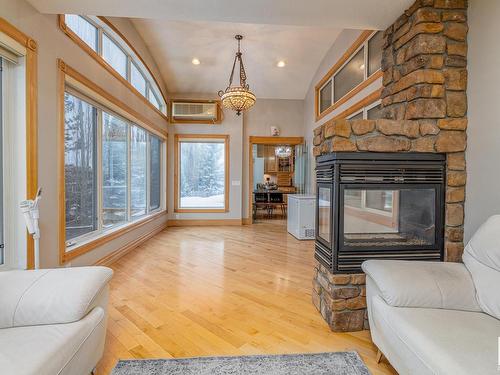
x=439, y=318
x=53, y=321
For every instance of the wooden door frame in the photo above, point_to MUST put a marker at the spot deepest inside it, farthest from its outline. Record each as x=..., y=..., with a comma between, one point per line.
x=258, y=140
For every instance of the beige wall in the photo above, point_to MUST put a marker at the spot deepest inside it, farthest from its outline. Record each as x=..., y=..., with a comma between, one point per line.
x=288, y=115
x=231, y=125
x=345, y=39
x=483, y=132
x=53, y=44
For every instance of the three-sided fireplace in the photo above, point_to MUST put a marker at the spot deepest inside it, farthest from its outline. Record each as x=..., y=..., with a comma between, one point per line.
x=379, y=205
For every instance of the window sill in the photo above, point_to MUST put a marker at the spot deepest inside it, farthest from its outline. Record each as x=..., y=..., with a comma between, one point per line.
x=201, y=210
x=105, y=237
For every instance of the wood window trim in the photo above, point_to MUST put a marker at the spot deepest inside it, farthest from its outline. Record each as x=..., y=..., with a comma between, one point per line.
x=72, y=35
x=259, y=140
x=365, y=35
x=65, y=256
x=31, y=119
x=177, y=140
x=356, y=107
x=218, y=120
x=67, y=70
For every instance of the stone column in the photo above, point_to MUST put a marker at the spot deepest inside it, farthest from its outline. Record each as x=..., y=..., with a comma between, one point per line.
x=425, y=80
x=424, y=110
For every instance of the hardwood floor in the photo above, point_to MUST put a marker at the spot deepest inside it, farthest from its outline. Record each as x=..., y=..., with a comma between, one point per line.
x=207, y=291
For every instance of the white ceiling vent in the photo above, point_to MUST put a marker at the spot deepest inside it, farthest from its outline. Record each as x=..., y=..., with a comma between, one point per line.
x=197, y=111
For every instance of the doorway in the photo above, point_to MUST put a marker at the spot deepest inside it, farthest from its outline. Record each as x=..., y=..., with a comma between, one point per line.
x=277, y=168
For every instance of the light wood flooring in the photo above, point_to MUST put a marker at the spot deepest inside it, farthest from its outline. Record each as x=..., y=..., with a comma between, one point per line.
x=208, y=291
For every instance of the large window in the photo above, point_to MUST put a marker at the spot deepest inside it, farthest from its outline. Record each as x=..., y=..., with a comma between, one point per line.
x=80, y=166
x=108, y=181
x=155, y=171
x=362, y=64
x=139, y=171
x=114, y=170
x=117, y=53
x=202, y=169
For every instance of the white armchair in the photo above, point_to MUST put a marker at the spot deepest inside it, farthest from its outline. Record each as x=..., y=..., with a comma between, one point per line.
x=53, y=321
x=439, y=318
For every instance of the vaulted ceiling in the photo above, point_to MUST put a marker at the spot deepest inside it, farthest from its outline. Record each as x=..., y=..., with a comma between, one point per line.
x=297, y=32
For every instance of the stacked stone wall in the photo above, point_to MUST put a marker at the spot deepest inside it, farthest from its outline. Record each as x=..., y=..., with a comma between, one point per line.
x=424, y=109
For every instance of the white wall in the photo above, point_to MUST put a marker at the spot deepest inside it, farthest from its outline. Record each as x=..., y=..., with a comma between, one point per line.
x=53, y=44
x=345, y=39
x=483, y=143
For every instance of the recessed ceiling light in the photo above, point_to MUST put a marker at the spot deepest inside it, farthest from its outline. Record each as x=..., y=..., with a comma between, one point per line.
x=195, y=61
x=280, y=64
x=362, y=66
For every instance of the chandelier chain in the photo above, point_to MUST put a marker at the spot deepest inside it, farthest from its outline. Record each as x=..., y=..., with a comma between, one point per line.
x=238, y=98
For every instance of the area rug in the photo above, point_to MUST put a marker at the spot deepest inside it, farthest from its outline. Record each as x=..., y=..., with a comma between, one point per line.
x=338, y=363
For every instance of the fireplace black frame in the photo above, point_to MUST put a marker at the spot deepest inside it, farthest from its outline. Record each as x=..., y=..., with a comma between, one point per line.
x=343, y=170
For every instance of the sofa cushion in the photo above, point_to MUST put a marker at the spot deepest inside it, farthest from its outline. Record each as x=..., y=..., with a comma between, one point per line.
x=482, y=258
x=423, y=284
x=438, y=341
x=45, y=349
x=52, y=296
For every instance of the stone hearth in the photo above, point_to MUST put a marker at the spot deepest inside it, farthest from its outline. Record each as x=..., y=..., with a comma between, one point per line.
x=424, y=110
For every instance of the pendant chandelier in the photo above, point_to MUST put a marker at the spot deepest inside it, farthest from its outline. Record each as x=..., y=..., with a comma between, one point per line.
x=283, y=151
x=238, y=98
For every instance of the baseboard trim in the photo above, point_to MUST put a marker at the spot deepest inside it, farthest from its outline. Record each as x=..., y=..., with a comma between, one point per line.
x=204, y=223
x=122, y=251
x=246, y=221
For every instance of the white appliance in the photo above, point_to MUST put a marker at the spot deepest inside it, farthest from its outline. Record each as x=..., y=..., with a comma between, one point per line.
x=301, y=216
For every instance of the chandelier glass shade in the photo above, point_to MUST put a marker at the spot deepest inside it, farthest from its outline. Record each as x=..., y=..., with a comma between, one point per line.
x=238, y=98
x=283, y=151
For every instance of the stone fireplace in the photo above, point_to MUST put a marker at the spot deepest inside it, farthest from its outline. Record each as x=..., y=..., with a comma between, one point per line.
x=424, y=111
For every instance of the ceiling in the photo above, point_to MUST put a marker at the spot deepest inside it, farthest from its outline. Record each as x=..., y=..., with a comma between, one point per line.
x=176, y=43
x=300, y=33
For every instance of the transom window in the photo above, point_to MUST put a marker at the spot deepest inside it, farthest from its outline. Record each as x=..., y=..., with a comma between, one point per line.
x=370, y=112
x=112, y=169
x=362, y=64
x=118, y=54
x=203, y=171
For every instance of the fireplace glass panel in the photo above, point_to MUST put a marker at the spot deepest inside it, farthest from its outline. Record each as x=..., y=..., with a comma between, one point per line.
x=389, y=218
x=324, y=213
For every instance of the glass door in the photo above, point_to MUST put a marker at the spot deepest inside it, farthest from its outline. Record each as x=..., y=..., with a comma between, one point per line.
x=324, y=213
x=389, y=217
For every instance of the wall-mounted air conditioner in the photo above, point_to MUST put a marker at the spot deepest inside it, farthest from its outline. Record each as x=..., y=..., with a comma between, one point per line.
x=194, y=111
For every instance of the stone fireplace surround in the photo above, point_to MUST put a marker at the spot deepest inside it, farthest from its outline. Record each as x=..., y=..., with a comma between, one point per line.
x=424, y=110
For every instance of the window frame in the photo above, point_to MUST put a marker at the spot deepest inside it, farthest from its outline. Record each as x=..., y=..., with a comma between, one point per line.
x=178, y=139
x=104, y=26
x=27, y=49
x=75, y=84
x=361, y=43
x=103, y=230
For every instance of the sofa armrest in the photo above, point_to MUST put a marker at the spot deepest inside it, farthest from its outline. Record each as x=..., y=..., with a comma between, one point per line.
x=51, y=296
x=423, y=284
